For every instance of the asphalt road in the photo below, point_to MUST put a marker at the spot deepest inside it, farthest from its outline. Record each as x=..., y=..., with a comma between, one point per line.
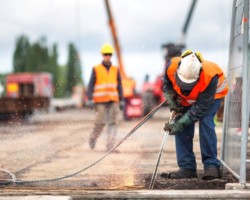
x=53, y=145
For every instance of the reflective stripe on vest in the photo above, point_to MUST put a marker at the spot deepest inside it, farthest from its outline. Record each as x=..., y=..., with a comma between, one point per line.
x=105, y=88
x=102, y=94
x=108, y=85
x=209, y=70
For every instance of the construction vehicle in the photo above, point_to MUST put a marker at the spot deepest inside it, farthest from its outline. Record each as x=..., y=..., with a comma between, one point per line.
x=152, y=93
x=133, y=103
x=25, y=93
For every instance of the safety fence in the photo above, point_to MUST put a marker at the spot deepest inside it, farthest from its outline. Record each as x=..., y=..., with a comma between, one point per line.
x=235, y=146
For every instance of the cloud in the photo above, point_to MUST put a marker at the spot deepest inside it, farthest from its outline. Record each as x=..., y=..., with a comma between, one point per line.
x=142, y=26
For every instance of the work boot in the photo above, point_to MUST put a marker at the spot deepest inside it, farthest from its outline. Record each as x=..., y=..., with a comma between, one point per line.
x=110, y=146
x=92, y=142
x=181, y=173
x=211, y=173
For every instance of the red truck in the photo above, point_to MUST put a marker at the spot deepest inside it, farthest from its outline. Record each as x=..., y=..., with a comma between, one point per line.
x=152, y=92
x=26, y=92
x=29, y=85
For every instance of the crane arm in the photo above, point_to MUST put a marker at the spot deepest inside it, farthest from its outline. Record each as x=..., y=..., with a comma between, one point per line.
x=185, y=27
x=115, y=39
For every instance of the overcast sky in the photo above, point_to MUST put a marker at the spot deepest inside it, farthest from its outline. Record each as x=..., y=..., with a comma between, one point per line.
x=142, y=26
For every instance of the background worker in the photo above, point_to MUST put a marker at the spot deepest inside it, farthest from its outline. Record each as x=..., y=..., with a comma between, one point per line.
x=194, y=87
x=106, y=96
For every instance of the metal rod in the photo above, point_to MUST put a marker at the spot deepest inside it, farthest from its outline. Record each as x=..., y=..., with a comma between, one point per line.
x=226, y=113
x=245, y=102
x=143, y=120
x=152, y=182
x=230, y=170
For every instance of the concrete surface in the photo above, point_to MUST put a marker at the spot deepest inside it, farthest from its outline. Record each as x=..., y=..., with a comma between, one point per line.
x=40, y=197
x=56, y=144
x=143, y=194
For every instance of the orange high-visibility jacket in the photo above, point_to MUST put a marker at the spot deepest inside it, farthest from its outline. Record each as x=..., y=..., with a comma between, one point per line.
x=209, y=70
x=105, y=88
x=128, y=86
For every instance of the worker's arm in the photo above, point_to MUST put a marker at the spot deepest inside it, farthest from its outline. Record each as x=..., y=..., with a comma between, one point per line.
x=119, y=87
x=167, y=84
x=91, y=85
x=204, y=101
x=170, y=94
x=197, y=110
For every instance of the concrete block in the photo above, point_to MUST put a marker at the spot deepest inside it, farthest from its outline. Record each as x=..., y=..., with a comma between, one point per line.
x=237, y=186
x=37, y=197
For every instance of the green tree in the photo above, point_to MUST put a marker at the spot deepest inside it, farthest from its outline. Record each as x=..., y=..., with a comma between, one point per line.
x=60, y=90
x=31, y=57
x=21, y=54
x=2, y=83
x=38, y=59
x=54, y=69
x=74, y=71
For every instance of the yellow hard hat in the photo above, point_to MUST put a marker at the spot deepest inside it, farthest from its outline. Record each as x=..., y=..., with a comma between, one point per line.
x=107, y=48
x=197, y=54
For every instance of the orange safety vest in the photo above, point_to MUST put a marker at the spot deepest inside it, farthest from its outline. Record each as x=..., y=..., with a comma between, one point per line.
x=128, y=86
x=209, y=70
x=105, y=88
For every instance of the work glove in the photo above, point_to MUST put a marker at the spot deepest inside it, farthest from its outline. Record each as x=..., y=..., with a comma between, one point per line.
x=176, y=127
x=90, y=104
x=174, y=103
x=121, y=105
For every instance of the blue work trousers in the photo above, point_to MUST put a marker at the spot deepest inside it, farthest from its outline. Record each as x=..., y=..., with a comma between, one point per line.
x=208, y=141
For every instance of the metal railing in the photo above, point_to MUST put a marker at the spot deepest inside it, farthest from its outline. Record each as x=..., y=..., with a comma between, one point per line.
x=236, y=114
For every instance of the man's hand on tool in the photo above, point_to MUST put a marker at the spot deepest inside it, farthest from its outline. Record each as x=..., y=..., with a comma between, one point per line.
x=173, y=128
x=90, y=104
x=173, y=103
x=180, y=107
x=121, y=105
x=178, y=126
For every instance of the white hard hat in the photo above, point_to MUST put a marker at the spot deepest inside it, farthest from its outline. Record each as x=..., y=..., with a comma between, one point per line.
x=188, y=71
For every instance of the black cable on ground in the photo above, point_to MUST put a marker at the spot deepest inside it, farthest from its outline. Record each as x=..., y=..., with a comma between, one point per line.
x=6, y=182
x=142, y=121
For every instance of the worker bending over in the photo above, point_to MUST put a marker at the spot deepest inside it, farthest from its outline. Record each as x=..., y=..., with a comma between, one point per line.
x=106, y=96
x=194, y=87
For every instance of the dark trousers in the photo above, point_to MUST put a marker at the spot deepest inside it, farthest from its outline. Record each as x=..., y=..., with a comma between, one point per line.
x=208, y=141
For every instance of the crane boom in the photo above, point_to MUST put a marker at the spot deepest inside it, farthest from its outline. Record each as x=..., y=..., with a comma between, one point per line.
x=133, y=102
x=115, y=39
x=127, y=82
x=185, y=27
